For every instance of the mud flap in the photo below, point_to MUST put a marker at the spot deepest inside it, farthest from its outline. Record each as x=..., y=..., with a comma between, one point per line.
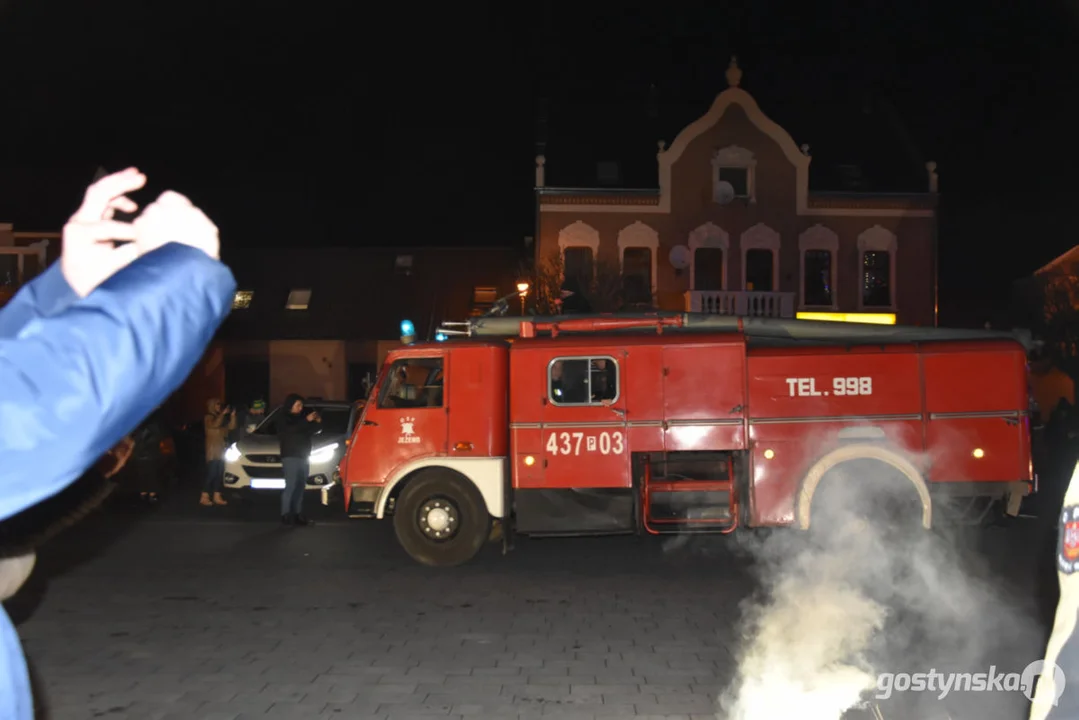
x=1013, y=498
x=501, y=531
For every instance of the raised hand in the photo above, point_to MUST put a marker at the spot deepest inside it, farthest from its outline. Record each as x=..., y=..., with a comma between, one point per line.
x=114, y=460
x=172, y=218
x=90, y=255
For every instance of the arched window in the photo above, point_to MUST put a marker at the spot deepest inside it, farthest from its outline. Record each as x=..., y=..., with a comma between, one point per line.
x=818, y=247
x=876, y=269
x=708, y=247
x=638, y=245
x=760, y=259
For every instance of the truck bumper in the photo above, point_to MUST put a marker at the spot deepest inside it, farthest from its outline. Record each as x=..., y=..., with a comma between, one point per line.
x=363, y=500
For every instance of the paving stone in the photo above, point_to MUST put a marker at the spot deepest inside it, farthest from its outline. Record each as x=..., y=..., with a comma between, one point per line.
x=234, y=619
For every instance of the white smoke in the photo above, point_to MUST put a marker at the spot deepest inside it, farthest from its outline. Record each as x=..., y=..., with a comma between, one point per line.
x=805, y=655
x=860, y=594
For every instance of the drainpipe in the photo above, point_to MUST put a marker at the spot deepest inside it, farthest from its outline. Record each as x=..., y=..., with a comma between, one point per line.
x=931, y=168
x=936, y=280
x=541, y=182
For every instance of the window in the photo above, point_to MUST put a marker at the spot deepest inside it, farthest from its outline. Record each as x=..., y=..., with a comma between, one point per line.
x=817, y=281
x=708, y=268
x=9, y=269
x=484, y=295
x=412, y=383
x=819, y=248
x=738, y=177
x=759, y=270
x=637, y=275
x=483, y=299
x=578, y=270
x=298, y=300
x=876, y=279
x=737, y=166
x=242, y=299
x=334, y=420
x=582, y=381
x=709, y=245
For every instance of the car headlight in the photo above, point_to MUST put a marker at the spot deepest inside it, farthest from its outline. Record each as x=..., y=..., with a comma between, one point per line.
x=233, y=453
x=323, y=454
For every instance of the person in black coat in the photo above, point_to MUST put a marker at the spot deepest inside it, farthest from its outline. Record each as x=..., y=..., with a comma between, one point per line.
x=294, y=427
x=147, y=466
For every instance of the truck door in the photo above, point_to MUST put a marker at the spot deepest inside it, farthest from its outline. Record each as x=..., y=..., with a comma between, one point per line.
x=584, y=422
x=404, y=421
x=704, y=397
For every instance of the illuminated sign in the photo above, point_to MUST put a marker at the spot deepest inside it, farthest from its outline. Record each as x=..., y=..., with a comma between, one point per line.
x=865, y=318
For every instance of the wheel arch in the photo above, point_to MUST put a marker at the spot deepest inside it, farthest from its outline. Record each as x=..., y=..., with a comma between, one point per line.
x=860, y=451
x=487, y=475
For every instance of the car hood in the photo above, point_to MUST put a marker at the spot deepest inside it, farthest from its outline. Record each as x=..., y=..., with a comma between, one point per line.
x=270, y=445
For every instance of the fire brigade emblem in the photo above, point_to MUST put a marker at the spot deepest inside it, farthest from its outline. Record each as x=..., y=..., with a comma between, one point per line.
x=1068, y=556
x=408, y=432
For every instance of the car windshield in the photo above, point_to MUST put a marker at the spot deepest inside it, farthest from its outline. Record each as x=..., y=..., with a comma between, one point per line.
x=334, y=420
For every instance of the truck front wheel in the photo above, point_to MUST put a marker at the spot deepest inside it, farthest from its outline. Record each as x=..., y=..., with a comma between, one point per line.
x=440, y=519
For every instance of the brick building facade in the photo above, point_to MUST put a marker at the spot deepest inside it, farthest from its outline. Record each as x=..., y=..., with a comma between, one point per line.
x=733, y=227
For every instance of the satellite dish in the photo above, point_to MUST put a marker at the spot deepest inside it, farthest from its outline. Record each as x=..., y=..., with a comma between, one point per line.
x=724, y=192
x=679, y=257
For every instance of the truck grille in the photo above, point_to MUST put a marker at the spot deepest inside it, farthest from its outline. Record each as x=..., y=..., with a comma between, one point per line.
x=268, y=459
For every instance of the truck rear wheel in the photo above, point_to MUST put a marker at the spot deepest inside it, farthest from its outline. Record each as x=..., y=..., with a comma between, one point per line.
x=440, y=519
x=866, y=495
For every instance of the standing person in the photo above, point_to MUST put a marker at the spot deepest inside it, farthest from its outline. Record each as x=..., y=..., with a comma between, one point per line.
x=145, y=459
x=294, y=429
x=219, y=422
x=247, y=420
x=1057, y=695
x=92, y=345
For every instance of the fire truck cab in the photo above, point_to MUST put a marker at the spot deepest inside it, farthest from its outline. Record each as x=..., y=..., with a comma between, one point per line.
x=677, y=423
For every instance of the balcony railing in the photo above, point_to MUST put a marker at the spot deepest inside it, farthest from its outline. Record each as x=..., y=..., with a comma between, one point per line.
x=742, y=304
x=13, y=271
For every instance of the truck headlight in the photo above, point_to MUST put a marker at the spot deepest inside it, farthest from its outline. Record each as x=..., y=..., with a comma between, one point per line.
x=323, y=454
x=233, y=453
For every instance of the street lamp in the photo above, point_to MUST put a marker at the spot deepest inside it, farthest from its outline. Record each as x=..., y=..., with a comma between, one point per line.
x=522, y=290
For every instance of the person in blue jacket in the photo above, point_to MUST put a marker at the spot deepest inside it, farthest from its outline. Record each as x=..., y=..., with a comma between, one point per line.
x=91, y=346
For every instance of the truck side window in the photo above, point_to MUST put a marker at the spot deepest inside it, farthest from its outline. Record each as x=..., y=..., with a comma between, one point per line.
x=582, y=381
x=412, y=383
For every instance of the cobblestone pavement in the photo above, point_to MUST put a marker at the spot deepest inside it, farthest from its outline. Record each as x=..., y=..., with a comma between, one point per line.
x=216, y=616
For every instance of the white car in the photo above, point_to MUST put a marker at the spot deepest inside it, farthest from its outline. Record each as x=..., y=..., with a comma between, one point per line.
x=254, y=463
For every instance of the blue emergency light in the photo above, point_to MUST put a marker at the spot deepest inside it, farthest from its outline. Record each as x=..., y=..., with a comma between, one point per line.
x=440, y=337
x=407, y=328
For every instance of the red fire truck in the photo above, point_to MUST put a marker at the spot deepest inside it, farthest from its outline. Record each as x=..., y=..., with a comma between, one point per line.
x=656, y=423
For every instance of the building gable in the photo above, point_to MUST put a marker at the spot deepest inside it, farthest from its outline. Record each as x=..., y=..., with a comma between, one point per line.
x=758, y=137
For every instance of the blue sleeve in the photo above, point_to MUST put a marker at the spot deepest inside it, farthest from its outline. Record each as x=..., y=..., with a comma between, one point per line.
x=72, y=385
x=44, y=296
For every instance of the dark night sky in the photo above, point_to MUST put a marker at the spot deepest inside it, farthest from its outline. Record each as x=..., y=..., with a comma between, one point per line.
x=343, y=124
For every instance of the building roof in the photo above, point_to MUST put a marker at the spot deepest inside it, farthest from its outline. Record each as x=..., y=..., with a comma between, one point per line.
x=859, y=143
x=1068, y=262
x=363, y=293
